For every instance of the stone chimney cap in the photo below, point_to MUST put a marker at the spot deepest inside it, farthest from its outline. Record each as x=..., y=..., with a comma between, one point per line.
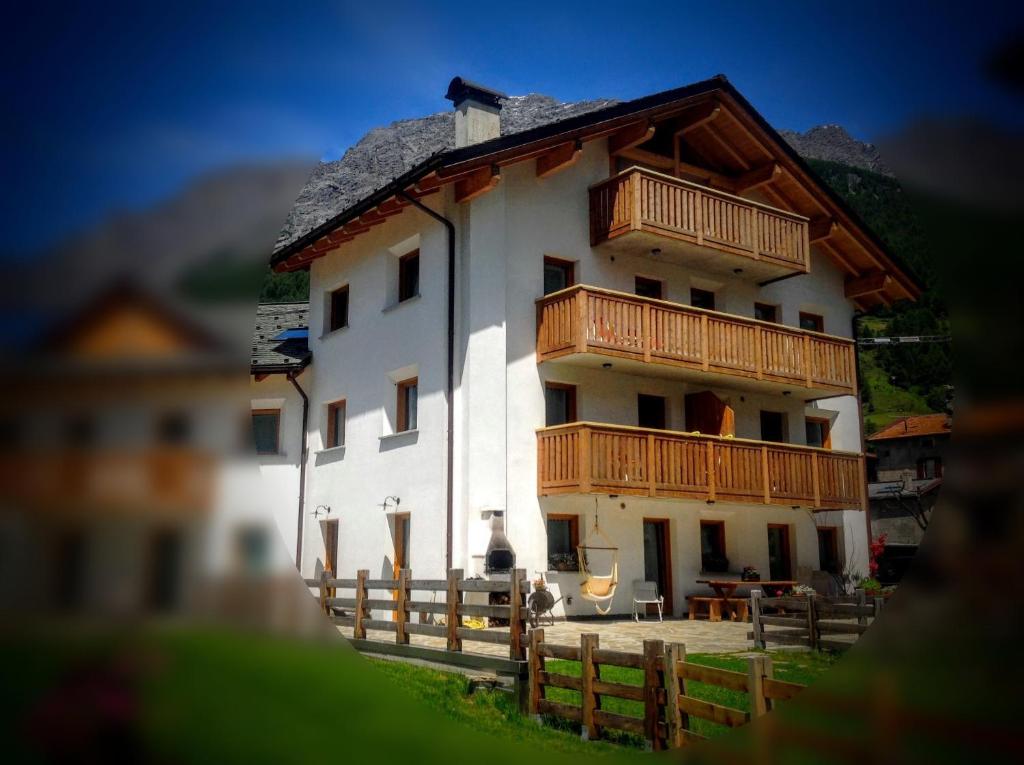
x=460, y=89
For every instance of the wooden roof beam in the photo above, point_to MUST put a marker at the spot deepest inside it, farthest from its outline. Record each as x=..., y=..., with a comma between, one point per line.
x=821, y=228
x=696, y=116
x=630, y=136
x=757, y=177
x=709, y=177
x=649, y=158
x=477, y=183
x=868, y=284
x=559, y=158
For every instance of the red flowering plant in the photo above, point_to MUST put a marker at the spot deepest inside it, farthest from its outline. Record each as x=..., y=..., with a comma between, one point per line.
x=875, y=550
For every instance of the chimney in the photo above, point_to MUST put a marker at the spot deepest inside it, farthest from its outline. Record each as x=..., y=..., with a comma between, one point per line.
x=477, y=112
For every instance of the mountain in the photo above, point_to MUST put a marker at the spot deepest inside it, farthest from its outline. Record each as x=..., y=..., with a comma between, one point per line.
x=832, y=143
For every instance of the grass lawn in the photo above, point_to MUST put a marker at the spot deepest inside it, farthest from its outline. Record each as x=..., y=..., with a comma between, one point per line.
x=889, y=402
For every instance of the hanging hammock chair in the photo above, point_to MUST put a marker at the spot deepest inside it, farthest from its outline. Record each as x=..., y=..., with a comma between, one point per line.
x=598, y=588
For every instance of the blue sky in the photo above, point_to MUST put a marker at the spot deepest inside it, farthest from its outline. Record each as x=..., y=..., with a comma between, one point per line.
x=115, y=109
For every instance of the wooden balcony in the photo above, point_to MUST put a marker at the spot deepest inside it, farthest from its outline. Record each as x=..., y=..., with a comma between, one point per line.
x=588, y=324
x=589, y=458
x=639, y=211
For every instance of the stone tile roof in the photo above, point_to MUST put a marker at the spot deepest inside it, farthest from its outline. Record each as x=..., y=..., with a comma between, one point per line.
x=918, y=425
x=276, y=355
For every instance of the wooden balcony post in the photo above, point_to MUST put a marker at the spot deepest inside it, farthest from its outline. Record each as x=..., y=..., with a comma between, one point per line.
x=645, y=332
x=654, y=652
x=590, y=701
x=583, y=451
x=764, y=472
x=454, y=599
x=401, y=611
x=536, y=667
x=705, y=347
x=582, y=321
x=807, y=360
x=652, y=468
x=516, y=626
x=711, y=470
x=358, y=630
x=698, y=215
x=815, y=478
x=638, y=209
x=759, y=351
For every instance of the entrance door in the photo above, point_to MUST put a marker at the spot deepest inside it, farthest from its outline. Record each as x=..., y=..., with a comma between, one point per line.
x=658, y=558
x=779, y=564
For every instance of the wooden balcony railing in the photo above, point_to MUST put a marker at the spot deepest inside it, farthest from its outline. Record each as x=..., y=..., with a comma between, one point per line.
x=642, y=200
x=585, y=319
x=585, y=457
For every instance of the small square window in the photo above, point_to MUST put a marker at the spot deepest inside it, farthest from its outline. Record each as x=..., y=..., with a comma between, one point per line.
x=649, y=288
x=337, y=316
x=773, y=427
x=812, y=321
x=407, y=405
x=651, y=411
x=409, y=276
x=266, y=427
x=702, y=299
x=335, y=424
x=558, y=274
x=563, y=539
x=766, y=312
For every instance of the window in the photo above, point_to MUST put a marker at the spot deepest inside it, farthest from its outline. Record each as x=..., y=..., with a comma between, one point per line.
x=335, y=424
x=773, y=426
x=818, y=432
x=337, y=311
x=252, y=550
x=766, y=312
x=407, y=405
x=563, y=539
x=649, y=288
x=828, y=550
x=780, y=564
x=409, y=276
x=558, y=274
x=559, y=403
x=702, y=299
x=80, y=431
x=266, y=426
x=812, y=321
x=930, y=467
x=650, y=411
x=712, y=547
x=173, y=428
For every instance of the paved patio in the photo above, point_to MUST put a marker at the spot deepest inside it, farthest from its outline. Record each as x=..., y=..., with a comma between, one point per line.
x=624, y=635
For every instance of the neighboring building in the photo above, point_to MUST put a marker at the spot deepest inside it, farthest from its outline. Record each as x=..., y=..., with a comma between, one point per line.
x=905, y=485
x=648, y=320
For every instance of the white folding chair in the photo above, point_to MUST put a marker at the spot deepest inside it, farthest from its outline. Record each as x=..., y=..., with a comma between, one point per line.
x=644, y=594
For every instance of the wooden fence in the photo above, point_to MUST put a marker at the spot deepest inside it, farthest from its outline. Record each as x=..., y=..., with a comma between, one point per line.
x=401, y=607
x=667, y=705
x=811, y=620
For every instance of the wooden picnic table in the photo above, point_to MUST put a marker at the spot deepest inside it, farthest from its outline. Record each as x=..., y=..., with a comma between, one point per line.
x=726, y=588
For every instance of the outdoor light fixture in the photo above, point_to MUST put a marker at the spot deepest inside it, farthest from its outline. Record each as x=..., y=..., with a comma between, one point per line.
x=389, y=501
x=606, y=365
x=787, y=392
x=656, y=251
x=737, y=270
x=325, y=509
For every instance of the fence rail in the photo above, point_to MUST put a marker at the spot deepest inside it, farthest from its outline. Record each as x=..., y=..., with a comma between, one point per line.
x=356, y=610
x=586, y=457
x=585, y=319
x=642, y=200
x=667, y=705
x=810, y=620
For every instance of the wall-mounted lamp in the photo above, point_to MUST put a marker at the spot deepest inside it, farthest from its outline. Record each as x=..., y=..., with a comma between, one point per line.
x=321, y=510
x=606, y=365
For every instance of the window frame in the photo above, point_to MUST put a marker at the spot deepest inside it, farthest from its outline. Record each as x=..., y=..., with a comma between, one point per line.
x=664, y=410
x=817, y=319
x=694, y=291
x=774, y=311
x=332, y=326
x=639, y=280
x=569, y=266
x=720, y=535
x=332, y=440
x=826, y=423
x=403, y=276
x=571, y=402
x=573, y=520
x=277, y=433
x=402, y=423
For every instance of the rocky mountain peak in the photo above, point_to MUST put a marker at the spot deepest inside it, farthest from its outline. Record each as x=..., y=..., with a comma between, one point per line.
x=832, y=143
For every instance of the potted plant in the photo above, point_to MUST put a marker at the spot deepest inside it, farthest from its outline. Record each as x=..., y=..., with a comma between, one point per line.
x=563, y=562
x=750, y=574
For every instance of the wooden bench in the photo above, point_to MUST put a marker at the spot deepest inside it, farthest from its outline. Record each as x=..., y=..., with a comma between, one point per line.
x=713, y=606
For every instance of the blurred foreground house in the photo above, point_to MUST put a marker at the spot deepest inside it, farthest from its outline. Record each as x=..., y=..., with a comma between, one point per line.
x=905, y=484
x=635, y=314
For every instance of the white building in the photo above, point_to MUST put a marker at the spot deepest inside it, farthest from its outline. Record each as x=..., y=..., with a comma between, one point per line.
x=642, y=312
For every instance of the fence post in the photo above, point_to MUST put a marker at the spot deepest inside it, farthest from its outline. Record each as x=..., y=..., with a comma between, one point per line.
x=589, y=642
x=812, y=621
x=515, y=617
x=862, y=600
x=755, y=618
x=323, y=593
x=401, y=599
x=453, y=602
x=536, y=667
x=676, y=721
x=879, y=603
x=654, y=652
x=757, y=668
x=358, y=630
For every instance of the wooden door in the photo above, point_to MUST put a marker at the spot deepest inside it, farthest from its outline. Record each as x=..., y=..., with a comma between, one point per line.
x=658, y=558
x=707, y=413
x=780, y=565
